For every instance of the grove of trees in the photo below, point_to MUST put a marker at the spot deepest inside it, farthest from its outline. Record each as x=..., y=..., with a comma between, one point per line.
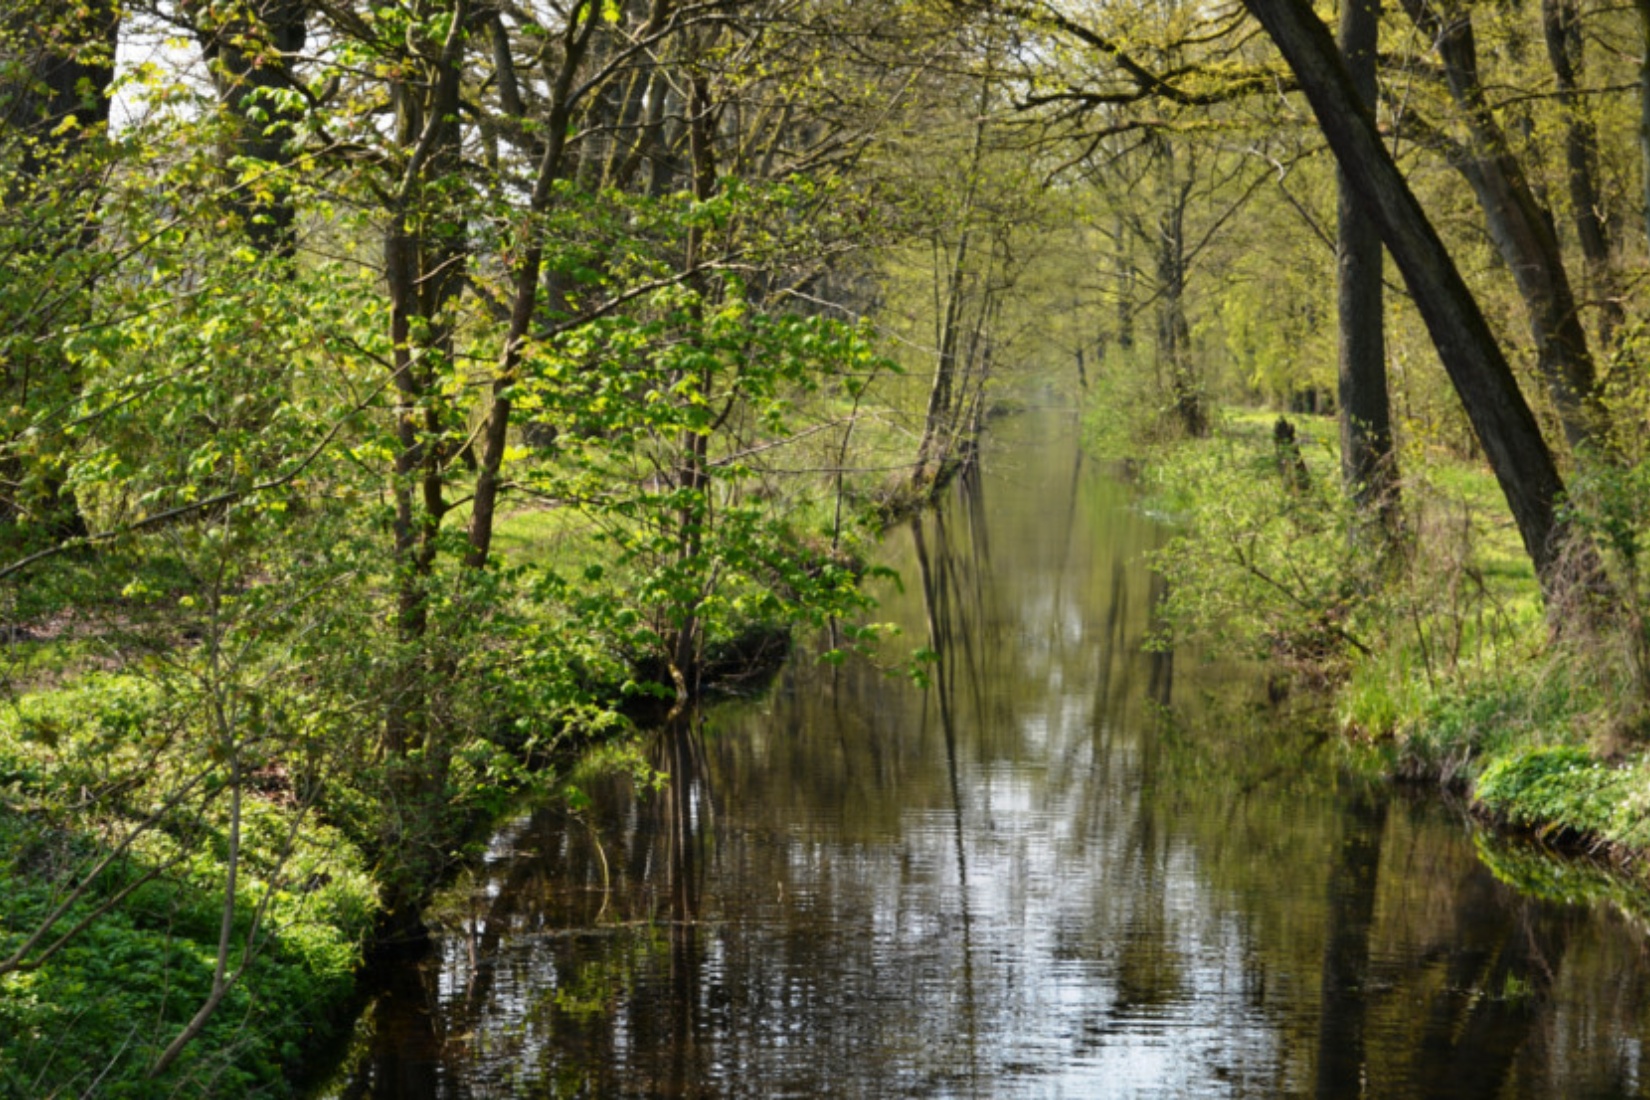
x=392, y=394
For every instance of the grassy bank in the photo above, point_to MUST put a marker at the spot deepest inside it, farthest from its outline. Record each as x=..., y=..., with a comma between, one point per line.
x=1440, y=660
x=200, y=821
x=177, y=835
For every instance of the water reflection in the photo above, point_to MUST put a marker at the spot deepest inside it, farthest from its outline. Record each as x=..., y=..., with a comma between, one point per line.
x=1067, y=865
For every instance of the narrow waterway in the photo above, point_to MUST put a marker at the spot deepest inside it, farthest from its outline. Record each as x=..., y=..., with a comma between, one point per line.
x=1065, y=866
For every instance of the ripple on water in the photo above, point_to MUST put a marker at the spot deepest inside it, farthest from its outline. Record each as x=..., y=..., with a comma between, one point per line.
x=1028, y=880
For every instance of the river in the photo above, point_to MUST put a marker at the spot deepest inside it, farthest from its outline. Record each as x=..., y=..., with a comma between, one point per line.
x=1064, y=867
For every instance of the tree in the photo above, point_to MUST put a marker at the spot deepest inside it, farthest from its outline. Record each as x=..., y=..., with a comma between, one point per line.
x=1369, y=461
x=1521, y=227
x=1500, y=416
x=54, y=103
x=1561, y=28
x=616, y=222
x=250, y=50
x=934, y=450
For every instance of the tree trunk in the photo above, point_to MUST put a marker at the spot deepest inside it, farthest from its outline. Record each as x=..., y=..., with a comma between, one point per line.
x=936, y=418
x=61, y=96
x=1561, y=25
x=55, y=105
x=424, y=266
x=693, y=447
x=1174, y=337
x=1125, y=283
x=940, y=414
x=1500, y=416
x=1369, y=464
x=248, y=60
x=1522, y=230
x=524, y=306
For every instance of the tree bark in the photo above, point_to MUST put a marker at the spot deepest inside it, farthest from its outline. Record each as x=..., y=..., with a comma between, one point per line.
x=55, y=105
x=693, y=517
x=1125, y=283
x=1500, y=416
x=582, y=21
x=1174, y=335
x=248, y=59
x=940, y=413
x=1369, y=464
x=1561, y=26
x=62, y=96
x=424, y=261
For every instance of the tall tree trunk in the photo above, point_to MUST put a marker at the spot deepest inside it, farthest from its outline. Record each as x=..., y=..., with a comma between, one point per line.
x=248, y=56
x=1125, y=282
x=969, y=422
x=424, y=253
x=54, y=102
x=1174, y=336
x=581, y=24
x=58, y=95
x=1522, y=230
x=1500, y=416
x=931, y=449
x=940, y=413
x=693, y=447
x=1561, y=26
x=1369, y=464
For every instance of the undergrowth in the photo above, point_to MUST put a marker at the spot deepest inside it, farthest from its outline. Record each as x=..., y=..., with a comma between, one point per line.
x=91, y=1016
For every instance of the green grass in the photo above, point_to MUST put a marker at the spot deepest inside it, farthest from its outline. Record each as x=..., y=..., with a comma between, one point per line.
x=547, y=536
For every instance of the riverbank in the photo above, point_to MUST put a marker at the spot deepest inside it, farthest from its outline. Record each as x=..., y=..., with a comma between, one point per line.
x=1441, y=665
x=158, y=882
x=1037, y=869
x=196, y=844
x=113, y=922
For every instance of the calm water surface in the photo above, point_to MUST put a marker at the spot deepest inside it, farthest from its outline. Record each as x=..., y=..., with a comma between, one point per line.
x=1068, y=867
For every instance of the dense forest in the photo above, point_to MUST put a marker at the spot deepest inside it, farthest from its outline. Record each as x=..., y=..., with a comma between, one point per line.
x=398, y=399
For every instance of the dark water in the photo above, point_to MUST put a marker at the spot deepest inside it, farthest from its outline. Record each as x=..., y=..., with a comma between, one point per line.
x=1068, y=867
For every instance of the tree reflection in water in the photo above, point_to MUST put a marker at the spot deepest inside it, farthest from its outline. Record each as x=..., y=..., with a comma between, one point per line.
x=1070, y=864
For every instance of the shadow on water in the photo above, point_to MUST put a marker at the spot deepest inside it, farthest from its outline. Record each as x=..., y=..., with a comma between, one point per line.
x=1067, y=864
